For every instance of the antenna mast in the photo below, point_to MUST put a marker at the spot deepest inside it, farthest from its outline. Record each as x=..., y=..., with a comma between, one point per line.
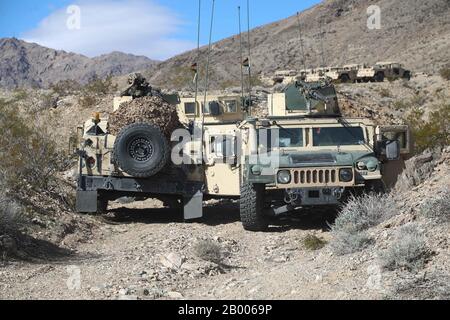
x=241, y=55
x=301, y=41
x=249, y=62
x=198, y=53
x=321, y=42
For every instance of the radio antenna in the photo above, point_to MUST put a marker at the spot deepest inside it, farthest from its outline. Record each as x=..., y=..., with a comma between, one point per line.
x=321, y=42
x=198, y=55
x=207, y=71
x=301, y=41
x=241, y=56
x=249, y=62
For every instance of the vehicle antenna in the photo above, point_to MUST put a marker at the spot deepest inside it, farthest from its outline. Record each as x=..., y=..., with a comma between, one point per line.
x=321, y=42
x=207, y=71
x=198, y=55
x=249, y=62
x=241, y=56
x=301, y=41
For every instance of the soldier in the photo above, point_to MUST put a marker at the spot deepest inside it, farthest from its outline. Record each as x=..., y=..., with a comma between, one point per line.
x=139, y=87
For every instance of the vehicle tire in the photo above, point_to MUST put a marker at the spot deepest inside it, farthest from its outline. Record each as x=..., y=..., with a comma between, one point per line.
x=344, y=78
x=141, y=150
x=102, y=204
x=379, y=77
x=252, y=207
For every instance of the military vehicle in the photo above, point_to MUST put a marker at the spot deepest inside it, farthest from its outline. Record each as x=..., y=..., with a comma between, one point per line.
x=306, y=154
x=303, y=154
x=382, y=71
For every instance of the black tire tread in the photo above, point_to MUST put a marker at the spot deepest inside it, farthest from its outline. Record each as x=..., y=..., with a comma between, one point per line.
x=148, y=173
x=252, y=207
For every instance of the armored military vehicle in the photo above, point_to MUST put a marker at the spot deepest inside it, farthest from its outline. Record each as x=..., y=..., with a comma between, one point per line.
x=306, y=154
x=382, y=71
x=303, y=154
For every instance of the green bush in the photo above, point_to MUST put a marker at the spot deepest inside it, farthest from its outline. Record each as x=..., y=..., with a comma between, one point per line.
x=438, y=207
x=208, y=250
x=431, y=133
x=312, y=242
x=92, y=92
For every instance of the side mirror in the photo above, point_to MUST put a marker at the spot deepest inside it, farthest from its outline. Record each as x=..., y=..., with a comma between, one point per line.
x=392, y=149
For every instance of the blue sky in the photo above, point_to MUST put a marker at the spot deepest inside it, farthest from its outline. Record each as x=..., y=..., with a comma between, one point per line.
x=155, y=28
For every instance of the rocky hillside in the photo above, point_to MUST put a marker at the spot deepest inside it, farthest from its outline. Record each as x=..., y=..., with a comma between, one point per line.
x=25, y=64
x=415, y=32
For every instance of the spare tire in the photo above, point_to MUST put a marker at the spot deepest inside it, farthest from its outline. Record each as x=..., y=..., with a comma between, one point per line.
x=141, y=150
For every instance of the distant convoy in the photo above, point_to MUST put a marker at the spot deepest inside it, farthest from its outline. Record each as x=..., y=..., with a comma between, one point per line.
x=350, y=73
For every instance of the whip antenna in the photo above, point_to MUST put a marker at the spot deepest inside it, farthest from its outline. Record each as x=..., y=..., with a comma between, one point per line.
x=241, y=56
x=301, y=41
x=198, y=55
x=321, y=42
x=249, y=64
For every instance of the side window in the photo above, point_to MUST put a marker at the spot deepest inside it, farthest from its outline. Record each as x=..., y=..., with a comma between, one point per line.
x=231, y=106
x=223, y=146
x=189, y=108
x=400, y=136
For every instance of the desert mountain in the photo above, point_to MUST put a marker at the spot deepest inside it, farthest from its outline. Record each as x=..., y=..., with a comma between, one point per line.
x=25, y=64
x=414, y=32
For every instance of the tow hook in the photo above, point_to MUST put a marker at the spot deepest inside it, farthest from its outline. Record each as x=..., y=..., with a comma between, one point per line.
x=293, y=197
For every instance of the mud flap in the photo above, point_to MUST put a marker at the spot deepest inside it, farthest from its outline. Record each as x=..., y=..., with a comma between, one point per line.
x=87, y=201
x=193, y=206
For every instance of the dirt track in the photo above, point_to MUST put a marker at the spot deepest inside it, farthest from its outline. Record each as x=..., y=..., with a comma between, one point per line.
x=124, y=261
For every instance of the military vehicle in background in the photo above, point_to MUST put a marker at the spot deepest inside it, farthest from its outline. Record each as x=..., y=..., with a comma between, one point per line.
x=382, y=71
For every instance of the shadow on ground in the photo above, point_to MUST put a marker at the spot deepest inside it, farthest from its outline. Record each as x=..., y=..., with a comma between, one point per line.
x=221, y=213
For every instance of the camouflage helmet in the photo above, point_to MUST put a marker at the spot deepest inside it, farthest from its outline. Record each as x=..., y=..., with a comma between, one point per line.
x=135, y=78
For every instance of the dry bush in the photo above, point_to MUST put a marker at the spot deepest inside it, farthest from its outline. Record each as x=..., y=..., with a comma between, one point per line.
x=358, y=215
x=385, y=93
x=438, y=208
x=408, y=250
x=28, y=156
x=312, y=242
x=445, y=73
x=92, y=92
x=11, y=216
x=208, y=250
x=64, y=88
x=431, y=286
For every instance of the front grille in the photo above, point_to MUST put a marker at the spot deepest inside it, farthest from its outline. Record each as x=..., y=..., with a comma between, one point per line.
x=315, y=176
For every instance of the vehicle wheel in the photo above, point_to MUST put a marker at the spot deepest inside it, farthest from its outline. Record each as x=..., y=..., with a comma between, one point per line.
x=141, y=150
x=379, y=77
x=102, y=205
x=252, y=207
x=345, y=78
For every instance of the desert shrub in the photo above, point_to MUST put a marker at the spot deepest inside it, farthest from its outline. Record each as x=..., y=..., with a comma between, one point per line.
x=438, y=207
x=20, y=94
x=445, y=73
x=11, y=215
x=313, y=242
x=91, y=93
x=65, y=87
x=400, y=105
x=208, y=250
x=408, y=250
x=28, y=156
x=434, y=285
x=385, y=93
x=49, y=101
x=432, y=133
x=358, y=215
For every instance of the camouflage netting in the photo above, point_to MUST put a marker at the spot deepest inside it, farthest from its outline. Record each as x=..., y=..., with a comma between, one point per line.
x=153, y=110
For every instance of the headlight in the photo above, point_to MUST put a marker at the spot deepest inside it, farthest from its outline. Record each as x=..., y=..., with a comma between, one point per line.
x=284, y=177
x=346, y=175
x=361, y=165
x=372, y=166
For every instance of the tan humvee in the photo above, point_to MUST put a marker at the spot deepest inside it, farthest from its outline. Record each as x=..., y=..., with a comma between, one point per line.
x=383, y=70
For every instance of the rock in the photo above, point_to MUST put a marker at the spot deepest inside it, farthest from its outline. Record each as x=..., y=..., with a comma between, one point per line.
x=174, y=295
x=124, y=292
x=172, y=261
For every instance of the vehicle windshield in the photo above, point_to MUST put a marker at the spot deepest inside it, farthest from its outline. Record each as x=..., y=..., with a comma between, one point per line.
x=341, y=136
x=281, y=138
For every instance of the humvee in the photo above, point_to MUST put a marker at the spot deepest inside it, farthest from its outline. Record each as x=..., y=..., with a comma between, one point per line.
x=382, y=71
x=303, y=154
x=306, y=154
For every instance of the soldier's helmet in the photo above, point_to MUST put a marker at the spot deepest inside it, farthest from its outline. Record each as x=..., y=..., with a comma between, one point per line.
x=135, y=78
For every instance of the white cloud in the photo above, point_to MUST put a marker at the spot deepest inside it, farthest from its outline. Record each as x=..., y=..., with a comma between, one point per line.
x=140, y=27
